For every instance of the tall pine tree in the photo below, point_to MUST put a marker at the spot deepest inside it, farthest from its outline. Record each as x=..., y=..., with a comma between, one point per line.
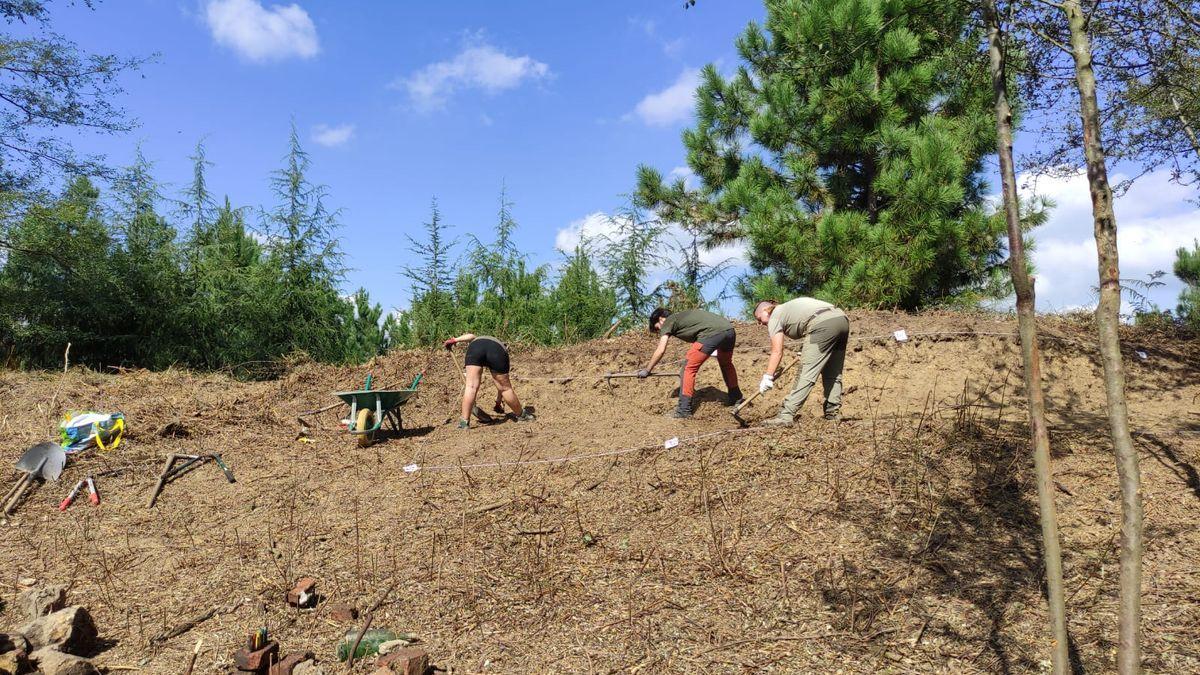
x=847, y=150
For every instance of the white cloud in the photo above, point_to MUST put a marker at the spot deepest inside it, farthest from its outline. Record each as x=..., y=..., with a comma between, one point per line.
x=599, y=226
x=671, y=105
x=331, y=137
x=261, y=34
x=478, y=66
x=1153, y=220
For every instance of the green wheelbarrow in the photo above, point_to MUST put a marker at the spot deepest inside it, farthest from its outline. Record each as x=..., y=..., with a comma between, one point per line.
x=369, y=408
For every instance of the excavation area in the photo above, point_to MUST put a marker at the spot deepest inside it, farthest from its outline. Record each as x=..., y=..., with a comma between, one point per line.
x=903, y=539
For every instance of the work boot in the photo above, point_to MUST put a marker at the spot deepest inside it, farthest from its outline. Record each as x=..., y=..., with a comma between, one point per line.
x=463, y=424
x=779, y=421
x=835, y=416
x=526, y=415
x=684, y=410
x=735, y=397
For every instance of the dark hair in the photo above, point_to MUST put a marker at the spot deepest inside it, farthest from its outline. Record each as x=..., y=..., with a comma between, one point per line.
x=657, y=314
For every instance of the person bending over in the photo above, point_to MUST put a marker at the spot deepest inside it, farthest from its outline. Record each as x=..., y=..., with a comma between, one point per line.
x=708, y=333
x=484, y=351
x=824, y=330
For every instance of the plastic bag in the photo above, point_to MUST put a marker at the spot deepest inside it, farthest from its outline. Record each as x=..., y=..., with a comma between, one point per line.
x=79, y=431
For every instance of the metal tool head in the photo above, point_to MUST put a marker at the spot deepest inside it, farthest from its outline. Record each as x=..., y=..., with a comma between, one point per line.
x=45, y=459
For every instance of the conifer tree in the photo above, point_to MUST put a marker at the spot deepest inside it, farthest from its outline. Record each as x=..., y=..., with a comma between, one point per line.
x=846, y=150
x=1187, y=268
x=304, y=251
x=628, y=255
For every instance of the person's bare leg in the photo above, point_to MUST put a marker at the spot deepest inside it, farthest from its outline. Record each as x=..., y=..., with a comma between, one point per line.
x=508, y=393
x=470, y=390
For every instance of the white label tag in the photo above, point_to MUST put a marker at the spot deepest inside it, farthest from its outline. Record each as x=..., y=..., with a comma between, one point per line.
x=901, y=335
x=1142, y=355
x=671, y=442
x=411, y=468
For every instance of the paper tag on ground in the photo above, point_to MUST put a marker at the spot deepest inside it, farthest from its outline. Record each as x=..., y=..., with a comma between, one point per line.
x=901, y=335
x=411, y=468
x=671, y=442
x=1142, y=355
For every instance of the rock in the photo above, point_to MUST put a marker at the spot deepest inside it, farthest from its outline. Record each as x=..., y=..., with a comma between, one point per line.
x=53, y=662
x=70, y=630
x=405, y=661
x=42, y=600
x=10, y=642
x=342, y=612
x=14, y=662
x=308, y=668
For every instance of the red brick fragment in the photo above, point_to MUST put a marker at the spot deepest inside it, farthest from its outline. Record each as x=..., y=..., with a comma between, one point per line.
x=405, y=661
x=304, y=594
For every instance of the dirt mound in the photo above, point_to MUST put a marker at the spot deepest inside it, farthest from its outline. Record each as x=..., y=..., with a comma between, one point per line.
x=903, y=539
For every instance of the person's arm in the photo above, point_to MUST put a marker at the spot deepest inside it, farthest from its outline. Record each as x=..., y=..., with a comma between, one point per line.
x=768, y=378
x=465, y=337
x=658, y=354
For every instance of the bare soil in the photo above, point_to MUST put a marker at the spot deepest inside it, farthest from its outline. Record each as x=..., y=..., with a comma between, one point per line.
x=904, y=539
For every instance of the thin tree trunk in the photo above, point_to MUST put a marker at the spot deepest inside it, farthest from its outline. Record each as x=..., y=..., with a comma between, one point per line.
x=1030, y=353
x=1107, y=321
x=1187, y=127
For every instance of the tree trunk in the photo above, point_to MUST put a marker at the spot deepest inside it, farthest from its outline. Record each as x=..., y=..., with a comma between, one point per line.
x=1187, y=128
x=1030, y=353
x=1107, y=321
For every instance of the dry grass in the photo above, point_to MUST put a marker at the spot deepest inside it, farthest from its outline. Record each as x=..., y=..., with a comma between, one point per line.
x=902, y=540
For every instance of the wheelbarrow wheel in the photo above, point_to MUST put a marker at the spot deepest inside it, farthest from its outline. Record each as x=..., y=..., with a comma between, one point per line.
x=366, y=420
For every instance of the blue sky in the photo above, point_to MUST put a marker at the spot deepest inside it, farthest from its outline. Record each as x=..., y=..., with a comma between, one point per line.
x=400, y=101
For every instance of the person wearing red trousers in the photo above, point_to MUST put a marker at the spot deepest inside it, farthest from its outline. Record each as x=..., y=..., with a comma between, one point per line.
x=708, y=333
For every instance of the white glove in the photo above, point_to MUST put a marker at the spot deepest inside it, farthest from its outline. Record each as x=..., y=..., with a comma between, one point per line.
x=768, y=382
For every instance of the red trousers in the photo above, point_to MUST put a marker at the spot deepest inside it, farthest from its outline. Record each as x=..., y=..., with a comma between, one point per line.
x=696, y=357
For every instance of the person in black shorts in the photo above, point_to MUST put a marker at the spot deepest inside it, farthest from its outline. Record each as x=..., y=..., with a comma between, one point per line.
x=485, y=351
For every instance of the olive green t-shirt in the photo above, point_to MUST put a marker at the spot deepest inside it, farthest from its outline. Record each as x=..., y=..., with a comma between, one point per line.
x=794, y=315
x=694, y=325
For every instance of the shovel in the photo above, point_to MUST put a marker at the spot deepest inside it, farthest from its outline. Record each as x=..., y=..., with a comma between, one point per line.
x=44, y=459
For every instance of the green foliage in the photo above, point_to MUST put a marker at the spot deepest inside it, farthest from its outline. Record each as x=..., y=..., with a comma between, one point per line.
x=119, y=283
x=1187, y=268
x=847, y=149
x=495, y=292
x=628, y=254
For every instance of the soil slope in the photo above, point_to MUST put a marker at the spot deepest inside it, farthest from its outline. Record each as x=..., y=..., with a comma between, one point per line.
x=904, y=539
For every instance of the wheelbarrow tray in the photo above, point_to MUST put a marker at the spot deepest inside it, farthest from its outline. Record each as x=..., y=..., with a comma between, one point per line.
x=365, y=398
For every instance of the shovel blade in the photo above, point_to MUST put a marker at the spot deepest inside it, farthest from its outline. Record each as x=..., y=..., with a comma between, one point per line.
x=44, y=459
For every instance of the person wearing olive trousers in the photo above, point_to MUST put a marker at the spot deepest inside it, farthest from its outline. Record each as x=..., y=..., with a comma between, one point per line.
x=824, y=330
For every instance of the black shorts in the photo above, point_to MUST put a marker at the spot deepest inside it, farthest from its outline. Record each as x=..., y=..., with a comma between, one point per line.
x=723, y=341
x=488, y=354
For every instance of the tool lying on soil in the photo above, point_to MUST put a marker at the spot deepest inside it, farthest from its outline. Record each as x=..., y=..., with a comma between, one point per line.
x=370, y=407
x=738, y=408
x=170, y=472
x=93, y=496
x=610, y=376
x=45, y=460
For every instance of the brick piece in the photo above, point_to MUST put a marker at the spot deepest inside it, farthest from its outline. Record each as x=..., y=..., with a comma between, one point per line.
x=343, y=612
x=288, y=663
x=304, y=594
x=258, y=660
x=406, y=661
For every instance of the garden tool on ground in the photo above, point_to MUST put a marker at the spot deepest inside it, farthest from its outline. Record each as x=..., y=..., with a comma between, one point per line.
x=45, y=460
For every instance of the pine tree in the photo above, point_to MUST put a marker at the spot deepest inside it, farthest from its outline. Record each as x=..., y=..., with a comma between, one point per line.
x=1187, y=268
x=847, y=151
x=583, y=306
x=432, y=312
